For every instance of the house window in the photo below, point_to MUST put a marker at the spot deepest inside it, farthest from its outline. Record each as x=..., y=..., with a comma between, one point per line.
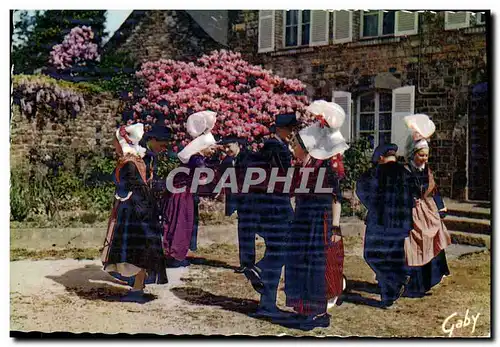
x=377, y=23
x=374, y=117
x=297, y=28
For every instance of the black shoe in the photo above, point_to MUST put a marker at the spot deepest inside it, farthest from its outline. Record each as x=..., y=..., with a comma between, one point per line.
x=134, y=296
x=174, y=263
x=387, y=304
x=240, y=270
x=255, y=279
x=162, y=279
x=273, y=314
x=310, y=322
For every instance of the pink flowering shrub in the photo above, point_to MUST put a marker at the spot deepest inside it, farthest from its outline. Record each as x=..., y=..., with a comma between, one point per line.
x=76, y=49
x=245, y=97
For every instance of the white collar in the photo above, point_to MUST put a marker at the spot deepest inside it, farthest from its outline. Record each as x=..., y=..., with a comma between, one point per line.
x=418, y=168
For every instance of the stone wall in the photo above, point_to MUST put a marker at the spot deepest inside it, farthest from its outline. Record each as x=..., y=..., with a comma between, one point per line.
x=170, y=34
x=92, y=129
x=442, y=65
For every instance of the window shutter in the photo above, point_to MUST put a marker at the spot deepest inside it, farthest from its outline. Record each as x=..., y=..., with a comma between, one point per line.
x=480, y=18
x=406, y=23
x=266, y=31
x=344, y=100
x=403, y=104
x=342, y=26
x=456, y=20
x=319, y=28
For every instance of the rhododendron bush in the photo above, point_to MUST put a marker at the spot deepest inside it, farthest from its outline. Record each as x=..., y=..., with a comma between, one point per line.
x=246, y=97
x=76, y=48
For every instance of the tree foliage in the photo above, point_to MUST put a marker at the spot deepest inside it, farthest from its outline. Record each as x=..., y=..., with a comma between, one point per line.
x=36, y=35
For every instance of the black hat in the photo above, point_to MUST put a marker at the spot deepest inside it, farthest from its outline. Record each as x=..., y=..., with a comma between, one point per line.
x=163, y=103
x=232, y=139
x=128, y=115
x=159, y=132
x=382, y=150
x=284, y=120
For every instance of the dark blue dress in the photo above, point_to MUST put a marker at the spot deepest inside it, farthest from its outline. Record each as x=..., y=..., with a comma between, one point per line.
x=134, y=234
x=385, y=191
x=305, y=267
x=423, y=278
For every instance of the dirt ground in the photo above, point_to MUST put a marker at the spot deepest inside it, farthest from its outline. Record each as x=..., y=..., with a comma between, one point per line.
x=52, y=292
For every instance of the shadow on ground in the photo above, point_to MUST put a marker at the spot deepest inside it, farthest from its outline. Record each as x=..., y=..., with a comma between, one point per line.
x=247, y=307
x=92, y=283
x=210, y=263
x=198, y=296
x=363, y=286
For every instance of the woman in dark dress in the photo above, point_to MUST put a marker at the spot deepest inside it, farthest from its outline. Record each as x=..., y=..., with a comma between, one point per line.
x=310, y=280
x=132, y=246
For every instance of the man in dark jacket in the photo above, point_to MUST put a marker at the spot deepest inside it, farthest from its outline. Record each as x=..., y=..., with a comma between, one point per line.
x=237, y=159
x=270, y=215
x=157, y=140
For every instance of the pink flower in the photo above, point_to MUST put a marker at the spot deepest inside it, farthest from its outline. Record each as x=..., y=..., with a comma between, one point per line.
x=218, y=82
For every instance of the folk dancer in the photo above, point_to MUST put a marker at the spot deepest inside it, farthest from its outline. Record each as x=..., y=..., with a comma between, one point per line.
x=269, y=215
x=385, y=191
x=425, y=246
x=132, y=246
x=180, y=209
x=314, y=262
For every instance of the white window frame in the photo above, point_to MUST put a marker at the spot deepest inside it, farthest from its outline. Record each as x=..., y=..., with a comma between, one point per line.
x=380, y=15
x=299, y=29
x=376, y=120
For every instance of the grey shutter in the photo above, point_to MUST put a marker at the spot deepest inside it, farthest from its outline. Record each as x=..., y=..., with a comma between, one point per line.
x=344, y=100
x=319, y=28
x=406, y=23
x=403, y=104
x=266, y=31
x=456, y=20
x=342, y=26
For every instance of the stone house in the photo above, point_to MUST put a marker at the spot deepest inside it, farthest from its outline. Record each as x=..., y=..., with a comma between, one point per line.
x=379, y=65
x=171, y=34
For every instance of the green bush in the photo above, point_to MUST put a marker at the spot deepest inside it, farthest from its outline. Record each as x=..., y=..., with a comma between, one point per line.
x=62, y=181
x=166, y=164
x=20, y=199
x=88, y=218
x=117, y=73
x=357, y=159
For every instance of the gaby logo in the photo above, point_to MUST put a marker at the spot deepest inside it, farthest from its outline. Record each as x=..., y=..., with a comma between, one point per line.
x=253, y=177
x=454, y=321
